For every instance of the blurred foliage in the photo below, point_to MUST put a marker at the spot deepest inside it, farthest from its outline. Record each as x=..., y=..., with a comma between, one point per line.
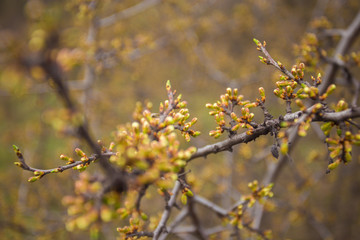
x=203, y=47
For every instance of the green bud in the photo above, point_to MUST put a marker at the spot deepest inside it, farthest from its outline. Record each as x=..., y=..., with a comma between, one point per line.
x=262, y=92
x=342, y=105
x=335, y=152
x=19, y=164
x=180, y=163
x=38, y=173
x=302, y=96
x=334, y=165
x=348, y=146
x=284, y=147
x=326, y=126
x=330, y=89
x=63, y=157
x=332, y=141
x=189, y=193
x=168, y=85
x=301, y=132
x=235, y=128
x=348, y=157
x=33, y=179
x=184, y=199
x=234, y=221
x=56, y=170
x=277, y=92
x=144, y=216
x=284, y=124
x=79, y=152
x=111, y=147
x=229, y=91
x=196, y=133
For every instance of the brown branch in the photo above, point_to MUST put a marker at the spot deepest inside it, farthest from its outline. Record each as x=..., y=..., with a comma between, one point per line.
x=234, y=140
x=272, y=62
x=44, y=172
x=142, y=192
x=339, y=116
x=264, y=129
x=140, y=234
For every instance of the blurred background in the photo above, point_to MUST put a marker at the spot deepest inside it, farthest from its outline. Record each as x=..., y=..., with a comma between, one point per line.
x=114, y=54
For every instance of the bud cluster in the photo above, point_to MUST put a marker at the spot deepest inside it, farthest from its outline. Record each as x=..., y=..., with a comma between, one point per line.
x=259, y=194
x=225, y=107
x=82, y=208
x=137, y=218
x=150, y=144
x=186, y=192
x=340, y=145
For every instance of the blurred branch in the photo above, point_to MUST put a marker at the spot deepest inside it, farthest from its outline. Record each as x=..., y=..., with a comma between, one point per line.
x=53, y=70
x=211, y=69
x=320, y=8
x=210, y=205
x=127, y=13
x=195, y=219
x=334, y=32
x=208, y=231
x=348, y=77
x=347, y=39
x=138, y=52
x=17, y=228
x=319, y=227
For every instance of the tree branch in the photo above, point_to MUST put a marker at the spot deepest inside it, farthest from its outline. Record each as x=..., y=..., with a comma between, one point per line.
x=179, y=218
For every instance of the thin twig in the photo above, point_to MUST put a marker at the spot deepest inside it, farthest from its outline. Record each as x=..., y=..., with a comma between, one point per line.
x=166, y=214
x=179, y=218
